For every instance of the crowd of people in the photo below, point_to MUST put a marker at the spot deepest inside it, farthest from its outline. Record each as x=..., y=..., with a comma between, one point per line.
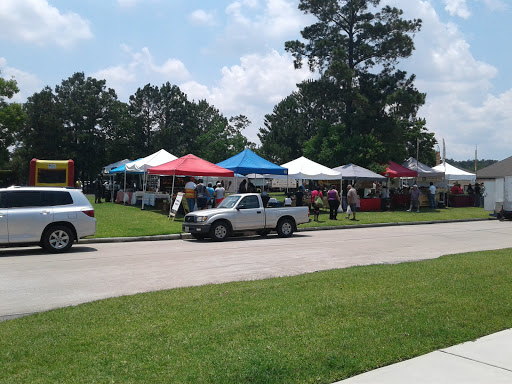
x=202, y=197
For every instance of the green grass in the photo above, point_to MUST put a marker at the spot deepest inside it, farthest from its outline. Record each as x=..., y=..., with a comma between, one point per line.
x=118, y=220
x=313, y=328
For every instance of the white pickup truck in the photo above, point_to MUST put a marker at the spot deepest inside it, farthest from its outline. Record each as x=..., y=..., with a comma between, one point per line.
x=244, y=213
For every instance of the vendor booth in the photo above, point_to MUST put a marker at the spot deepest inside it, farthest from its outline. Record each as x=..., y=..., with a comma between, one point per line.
x=247, y=162
x=427, y=175
x=141, y=166
x=398, y=194
x=453, y=174
x=363, y=179
x=188, y=165
x=303, y=168
x=112, y=188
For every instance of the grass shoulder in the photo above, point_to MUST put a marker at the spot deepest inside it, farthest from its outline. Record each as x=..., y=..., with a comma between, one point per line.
x=319, y=327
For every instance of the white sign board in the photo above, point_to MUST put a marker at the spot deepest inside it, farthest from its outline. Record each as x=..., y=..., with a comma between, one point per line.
x=281, y=183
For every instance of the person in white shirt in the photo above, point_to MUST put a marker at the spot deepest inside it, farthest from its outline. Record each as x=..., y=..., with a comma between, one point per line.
x=219, y=194
x=432, y=196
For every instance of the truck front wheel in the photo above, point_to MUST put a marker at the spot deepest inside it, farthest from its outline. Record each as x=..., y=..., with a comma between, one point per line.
x=285, y=228
x=219, y=231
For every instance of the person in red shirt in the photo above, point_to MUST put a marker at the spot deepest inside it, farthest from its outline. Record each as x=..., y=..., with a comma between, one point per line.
x=455, y=190
x=316, y=207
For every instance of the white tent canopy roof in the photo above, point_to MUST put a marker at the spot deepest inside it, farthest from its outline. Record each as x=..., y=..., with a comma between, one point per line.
x=454, y=173
x=355, y=172
x=303, y=168
x=157, y=158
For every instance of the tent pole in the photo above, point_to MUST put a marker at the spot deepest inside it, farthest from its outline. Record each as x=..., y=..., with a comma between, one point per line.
x=143, y=190
x=172, y=195
x=111, y=188
x=124, y=190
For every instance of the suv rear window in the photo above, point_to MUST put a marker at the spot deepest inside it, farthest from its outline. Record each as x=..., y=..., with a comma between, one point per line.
x=18, y=199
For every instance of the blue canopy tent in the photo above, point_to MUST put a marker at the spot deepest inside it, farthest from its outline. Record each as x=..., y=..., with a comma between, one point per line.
x=122, y=169
x=107, y=169
x=247, y=162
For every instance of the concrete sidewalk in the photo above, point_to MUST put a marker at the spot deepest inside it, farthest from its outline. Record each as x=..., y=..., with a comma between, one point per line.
x=483, y=361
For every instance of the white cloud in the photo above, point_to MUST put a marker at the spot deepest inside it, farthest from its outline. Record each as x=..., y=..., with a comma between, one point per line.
x=460, y=106
x=251, y=26
x=202, y=18
x=252, y=88
x=496, y=5
x=28, y=83
x=141, y=69
x=457, y=8
x=35, y=21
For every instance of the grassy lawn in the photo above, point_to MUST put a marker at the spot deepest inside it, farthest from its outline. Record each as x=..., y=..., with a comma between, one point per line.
x=117, y=220
x=314, y=328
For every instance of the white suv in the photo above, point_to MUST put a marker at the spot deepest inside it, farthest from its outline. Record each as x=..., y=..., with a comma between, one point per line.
x=52, y=217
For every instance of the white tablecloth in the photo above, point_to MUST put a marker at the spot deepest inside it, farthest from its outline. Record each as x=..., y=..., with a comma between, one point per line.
x=149, y=198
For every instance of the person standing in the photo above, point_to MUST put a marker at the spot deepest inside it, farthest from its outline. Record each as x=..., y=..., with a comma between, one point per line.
x=243, y=186
x=477, y=194
x=219, y=194
x=98, y=189
x=299, y=196
x=432, y=195
x=190, y=194
x=415, y=199
x=211, y=192
x=352, y=201
x=202, y=195
x=316, y=207
x=333, y=199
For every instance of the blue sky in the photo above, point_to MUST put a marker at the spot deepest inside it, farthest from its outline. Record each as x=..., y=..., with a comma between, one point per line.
x=231, y=52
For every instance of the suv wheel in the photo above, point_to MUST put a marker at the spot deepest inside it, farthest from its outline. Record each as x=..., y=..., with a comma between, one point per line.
x=58, y=239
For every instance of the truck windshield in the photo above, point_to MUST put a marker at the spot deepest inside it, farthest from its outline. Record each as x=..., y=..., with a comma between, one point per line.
x=229, y=202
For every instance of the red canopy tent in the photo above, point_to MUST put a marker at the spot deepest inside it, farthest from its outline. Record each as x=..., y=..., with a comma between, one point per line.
x=396, y=170
x=189, y=165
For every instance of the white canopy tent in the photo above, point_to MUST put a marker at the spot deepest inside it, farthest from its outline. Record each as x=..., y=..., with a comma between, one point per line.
x=303, y=168
x=158, y=158
x=153, y=160
x=454, y=173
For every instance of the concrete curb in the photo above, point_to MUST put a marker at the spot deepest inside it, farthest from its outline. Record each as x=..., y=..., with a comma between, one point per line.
x=181, y=236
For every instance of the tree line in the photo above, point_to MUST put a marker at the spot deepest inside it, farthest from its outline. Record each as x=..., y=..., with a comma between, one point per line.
x=360, y=108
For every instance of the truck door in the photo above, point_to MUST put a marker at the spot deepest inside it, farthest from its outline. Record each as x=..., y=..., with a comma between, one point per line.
x=250, y=215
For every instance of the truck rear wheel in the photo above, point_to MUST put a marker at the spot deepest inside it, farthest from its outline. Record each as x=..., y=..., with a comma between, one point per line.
x=219, y=231
x=285, y=228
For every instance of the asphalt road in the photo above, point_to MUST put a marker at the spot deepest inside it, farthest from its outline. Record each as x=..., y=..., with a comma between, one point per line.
x=32, y=281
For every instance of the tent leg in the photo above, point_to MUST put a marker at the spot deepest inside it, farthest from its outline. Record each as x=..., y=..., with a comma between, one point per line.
x=171, y=200
x=143, y=190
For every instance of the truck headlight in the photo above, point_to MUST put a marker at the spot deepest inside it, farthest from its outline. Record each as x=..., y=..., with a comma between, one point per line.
x=201, y=219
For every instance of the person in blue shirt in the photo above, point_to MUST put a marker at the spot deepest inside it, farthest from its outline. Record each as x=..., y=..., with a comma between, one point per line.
x=211, y=191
